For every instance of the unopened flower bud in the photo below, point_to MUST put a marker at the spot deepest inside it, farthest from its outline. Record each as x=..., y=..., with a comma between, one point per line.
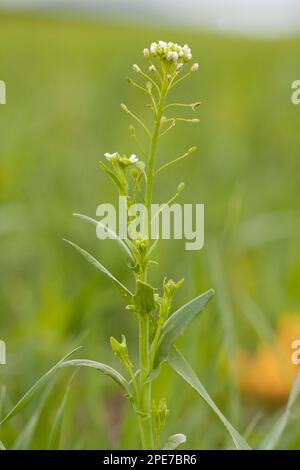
x=195, y=105
x=192, y=149
x=160, y=414
x=152, y=68
x=120, y=350
x=131, y=130
x=146, y=53
x=180, y=188
x=194, y=67
x=149, y=86
x=136, y=68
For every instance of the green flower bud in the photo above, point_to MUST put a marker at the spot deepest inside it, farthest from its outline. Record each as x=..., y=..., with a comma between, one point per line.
x=192, y=149
x=132, y=130
x=180, y=188
x=120, y=350
x=124, y=107
x=142, y=244
x=160, y=412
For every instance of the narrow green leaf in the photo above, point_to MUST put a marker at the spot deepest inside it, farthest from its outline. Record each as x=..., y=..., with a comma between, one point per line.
x=273, y=438
x=32, y=391
x=111, y=232
x=180, y=365
x=103, y=368
x=55, y=434
x=177, y=323
x=24, y=439
x=2, y=399
x=126, y=294
x=111, y=175
x=174, y=442
x=2, y=446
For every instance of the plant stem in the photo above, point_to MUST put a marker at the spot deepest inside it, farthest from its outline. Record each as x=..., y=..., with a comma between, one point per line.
x=150, y=170
x=145, y=415
x=145, y=402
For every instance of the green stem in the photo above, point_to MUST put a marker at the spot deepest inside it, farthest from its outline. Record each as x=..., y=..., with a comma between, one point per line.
x=150, y=170
x=145, y=408
x=145, y=402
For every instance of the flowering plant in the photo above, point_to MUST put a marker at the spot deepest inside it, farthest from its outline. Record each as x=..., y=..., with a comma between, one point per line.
x=158, y=326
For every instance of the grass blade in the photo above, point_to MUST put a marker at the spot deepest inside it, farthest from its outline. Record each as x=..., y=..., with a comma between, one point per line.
x=273, y=438
x=180, y=365
x=32, y=391
x=111, y=232
x=24, y=439
x=126, y=294
x=55, y=434
x=103, y=368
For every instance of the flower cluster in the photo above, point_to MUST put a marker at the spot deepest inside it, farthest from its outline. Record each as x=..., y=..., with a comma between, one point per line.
x=169, y=51
x=122, y=159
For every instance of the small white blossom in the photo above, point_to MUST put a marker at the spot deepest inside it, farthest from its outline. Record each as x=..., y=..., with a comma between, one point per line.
x=133, y=158
x=146, y=53
x=172, y=55
x=163, y=45
x=110, y=156
x=194, y=67
x=152, y=68
x=136, y=68
x=153, y=48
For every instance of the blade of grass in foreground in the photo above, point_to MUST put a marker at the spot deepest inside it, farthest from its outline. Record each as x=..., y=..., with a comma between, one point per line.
x=113, y=234
x=24, y=439
x=55, y=434
x=31, y=392
x=273, y=438
x=183, y=368
x=103, y=368
x=126, y=294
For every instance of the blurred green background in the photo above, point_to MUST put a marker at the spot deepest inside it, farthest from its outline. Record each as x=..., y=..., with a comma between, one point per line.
x=65, y=82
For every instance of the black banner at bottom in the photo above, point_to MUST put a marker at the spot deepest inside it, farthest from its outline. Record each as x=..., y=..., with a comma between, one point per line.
x=134, y=459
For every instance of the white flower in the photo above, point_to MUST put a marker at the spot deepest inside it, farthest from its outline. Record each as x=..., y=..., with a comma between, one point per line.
x=172, y=55
x=146, y=53
x=153, y=48
x=133, y=158
x=110, y=156
x=152, y=68
x=194, y=67
x=163, y=45
x=136, y=68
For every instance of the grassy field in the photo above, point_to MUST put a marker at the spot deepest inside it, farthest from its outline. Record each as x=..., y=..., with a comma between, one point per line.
x=65, y=82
